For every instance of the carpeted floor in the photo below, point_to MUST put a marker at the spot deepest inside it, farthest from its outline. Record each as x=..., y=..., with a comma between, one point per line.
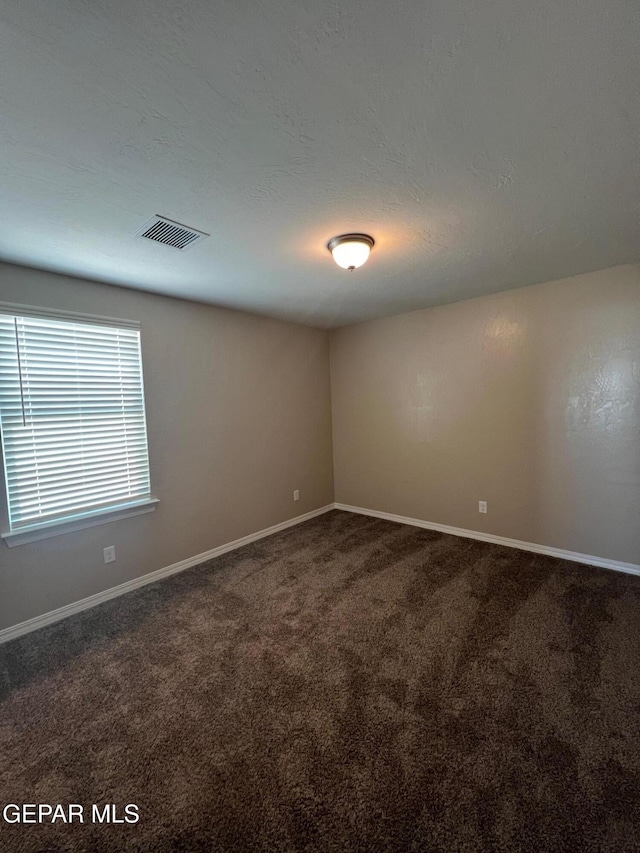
x=346, y=685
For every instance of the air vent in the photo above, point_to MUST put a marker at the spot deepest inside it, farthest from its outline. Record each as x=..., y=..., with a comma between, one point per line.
x=170, y=233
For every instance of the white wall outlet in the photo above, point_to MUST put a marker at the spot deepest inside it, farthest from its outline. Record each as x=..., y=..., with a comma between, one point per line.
x=296, y=495
x=109, y=554
x=482, y=506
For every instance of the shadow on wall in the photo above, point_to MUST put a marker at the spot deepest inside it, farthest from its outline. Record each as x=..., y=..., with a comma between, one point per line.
x=587, y=426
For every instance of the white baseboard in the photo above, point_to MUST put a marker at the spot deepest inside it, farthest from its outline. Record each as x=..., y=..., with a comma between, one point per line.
x=84, y=604
x=601, y=562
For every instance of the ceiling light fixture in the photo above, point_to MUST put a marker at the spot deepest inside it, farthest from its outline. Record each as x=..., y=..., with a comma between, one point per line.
x=350, y=251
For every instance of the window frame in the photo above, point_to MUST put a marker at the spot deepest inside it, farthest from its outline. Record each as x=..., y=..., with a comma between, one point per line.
x=84, y=519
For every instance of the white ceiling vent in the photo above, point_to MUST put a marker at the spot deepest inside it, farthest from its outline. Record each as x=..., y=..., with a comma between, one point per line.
x=163, y=230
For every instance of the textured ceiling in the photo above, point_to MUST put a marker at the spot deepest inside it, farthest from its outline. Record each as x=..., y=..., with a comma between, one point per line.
x=484, y=145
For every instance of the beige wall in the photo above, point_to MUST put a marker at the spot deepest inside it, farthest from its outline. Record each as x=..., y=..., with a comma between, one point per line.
x=239, y=415
x=528, y=399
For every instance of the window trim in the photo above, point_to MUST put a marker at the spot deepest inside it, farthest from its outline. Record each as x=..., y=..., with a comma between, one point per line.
x=71, y=316
x=90, y=518
x=36, y=532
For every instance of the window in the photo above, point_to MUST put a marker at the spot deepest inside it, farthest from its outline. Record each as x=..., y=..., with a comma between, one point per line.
x=72, y=419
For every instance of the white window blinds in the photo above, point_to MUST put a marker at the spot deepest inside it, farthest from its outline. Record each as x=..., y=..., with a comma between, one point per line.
x=72, y=418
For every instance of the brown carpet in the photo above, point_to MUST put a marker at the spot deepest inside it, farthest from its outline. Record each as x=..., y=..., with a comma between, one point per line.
x=346, y=685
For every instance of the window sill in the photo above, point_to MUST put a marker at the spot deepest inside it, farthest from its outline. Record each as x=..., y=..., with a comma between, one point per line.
x=36, y=532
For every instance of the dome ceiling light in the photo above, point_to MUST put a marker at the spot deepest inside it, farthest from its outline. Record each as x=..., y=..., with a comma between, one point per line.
x=350, y=251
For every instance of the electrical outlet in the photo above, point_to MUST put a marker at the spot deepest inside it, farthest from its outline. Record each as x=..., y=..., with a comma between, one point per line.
x=482, y=506
x=296, y=495
x=109, y=554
